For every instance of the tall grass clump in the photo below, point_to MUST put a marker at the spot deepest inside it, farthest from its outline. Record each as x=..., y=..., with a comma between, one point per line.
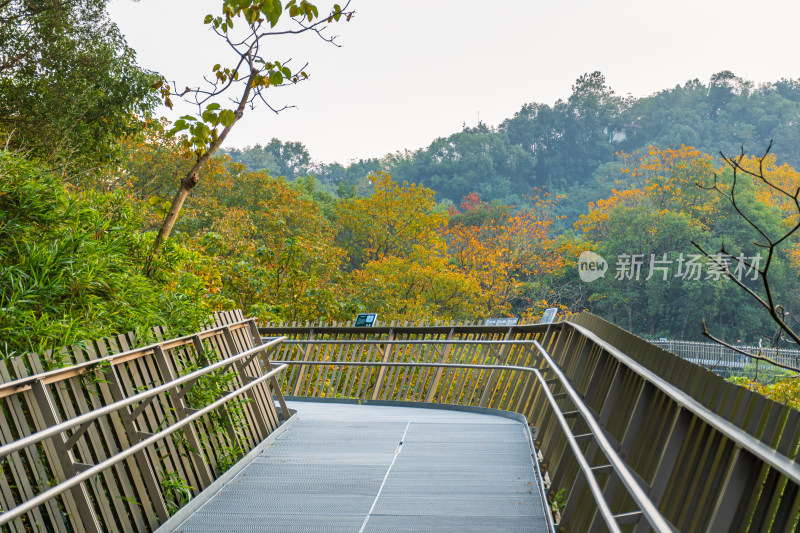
x=71, y=267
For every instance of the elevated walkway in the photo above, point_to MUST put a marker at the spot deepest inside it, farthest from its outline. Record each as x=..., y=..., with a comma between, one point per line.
x=369, y=468
x=634, y=438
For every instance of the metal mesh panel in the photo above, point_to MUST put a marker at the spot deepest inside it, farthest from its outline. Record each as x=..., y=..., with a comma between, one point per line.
x=341, y=467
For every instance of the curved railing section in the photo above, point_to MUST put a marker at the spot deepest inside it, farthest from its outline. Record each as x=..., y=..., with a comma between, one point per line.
x=639, y=439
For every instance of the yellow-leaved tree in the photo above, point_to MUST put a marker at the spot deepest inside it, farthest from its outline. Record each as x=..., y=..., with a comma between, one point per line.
x=400, y=267
x=507, y=255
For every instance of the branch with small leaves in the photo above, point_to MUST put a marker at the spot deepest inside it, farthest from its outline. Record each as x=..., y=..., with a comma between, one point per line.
x=769, y=244
x=253, y=74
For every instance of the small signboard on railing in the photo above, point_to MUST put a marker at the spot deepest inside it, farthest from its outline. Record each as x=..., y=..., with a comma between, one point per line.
x=501, y=321
x=366, y=320
x=549, y=315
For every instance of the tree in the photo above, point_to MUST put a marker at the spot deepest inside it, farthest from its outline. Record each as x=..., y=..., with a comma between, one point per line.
x=70, y=267
x=592, y=116
x=475, y=160
x=657, y=282
x=390, y=223
x=254, y=158
x=290, y=159
x=421, y=285
x=69, y=84
x=150, y=164
x=399, y=260
x=508, y=255
x=244, y=81
x=273, y=249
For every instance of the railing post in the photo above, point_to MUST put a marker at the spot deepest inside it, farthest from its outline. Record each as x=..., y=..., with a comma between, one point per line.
x=678, y=431
x=301, y=370
x=240, y=369
x=152, y=485
x=382, y=372
x=741, y=476
x=267, y=364
x=64, y=463
x=486, y=395
x=176, y=402
x=525, y=403
x=439, y=371
x=201, y=353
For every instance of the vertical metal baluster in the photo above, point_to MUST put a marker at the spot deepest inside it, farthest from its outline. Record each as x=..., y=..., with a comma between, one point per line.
x=382, y=373
x=176, y=402
x=142, y=461
x=439, y=371
x=64, y=462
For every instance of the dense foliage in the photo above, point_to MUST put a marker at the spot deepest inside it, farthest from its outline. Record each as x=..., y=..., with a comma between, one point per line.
x=70, y=266
x=654, y=221
x=485, y=222
x=69, y=84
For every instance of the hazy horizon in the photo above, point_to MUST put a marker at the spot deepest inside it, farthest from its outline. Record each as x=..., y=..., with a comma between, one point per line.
x=404, y=77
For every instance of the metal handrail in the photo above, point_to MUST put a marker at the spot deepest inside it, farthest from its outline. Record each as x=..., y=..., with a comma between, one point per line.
x=665, y=417
x=646, y=505
x=59, y=374
x=401, y=341
x=116, y=406
x=21, y=509
x=743, y=439
x=649, y=511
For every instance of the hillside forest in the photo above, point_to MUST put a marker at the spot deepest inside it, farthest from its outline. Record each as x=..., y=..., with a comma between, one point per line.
x=488, y=222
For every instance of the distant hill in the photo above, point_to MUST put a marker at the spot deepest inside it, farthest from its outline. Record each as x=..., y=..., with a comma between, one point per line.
x=566, y=148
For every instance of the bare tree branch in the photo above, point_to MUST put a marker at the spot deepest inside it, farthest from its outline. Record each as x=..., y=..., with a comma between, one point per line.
x=747, y=354
x=206, y=138
x=769, y=244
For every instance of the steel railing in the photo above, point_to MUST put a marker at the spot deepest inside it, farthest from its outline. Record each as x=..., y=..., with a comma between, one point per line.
x=726, y=362
x=105, y=439
x=668, y=444
x=638, y=438
x=615, y=462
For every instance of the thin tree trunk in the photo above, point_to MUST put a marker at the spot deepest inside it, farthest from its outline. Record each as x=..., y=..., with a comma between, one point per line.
x=187, y=184
x=685, y=322
x=193, y=176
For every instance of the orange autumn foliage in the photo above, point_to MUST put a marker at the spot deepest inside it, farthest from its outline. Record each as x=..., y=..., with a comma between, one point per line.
x=503, y=252
x=391, y=222
x=665, y=178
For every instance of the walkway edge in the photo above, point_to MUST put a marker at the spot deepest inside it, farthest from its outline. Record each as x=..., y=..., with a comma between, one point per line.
x=419, y=405
x=201, y=499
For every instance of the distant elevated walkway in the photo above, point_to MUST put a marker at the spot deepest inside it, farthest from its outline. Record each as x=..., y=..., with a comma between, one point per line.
x=368, y=468
x=725, y=362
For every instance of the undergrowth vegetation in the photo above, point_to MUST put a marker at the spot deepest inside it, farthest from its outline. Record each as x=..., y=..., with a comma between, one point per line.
x=70, y=266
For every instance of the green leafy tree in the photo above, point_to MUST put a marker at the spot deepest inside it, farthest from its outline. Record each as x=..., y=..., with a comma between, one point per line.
x=472, y=161
x=69, y=84
x=70, y=267
x=245, y=81
x=288, y=159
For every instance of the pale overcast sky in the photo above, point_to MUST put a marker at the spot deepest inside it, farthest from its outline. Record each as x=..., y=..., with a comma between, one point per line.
x=409, y=72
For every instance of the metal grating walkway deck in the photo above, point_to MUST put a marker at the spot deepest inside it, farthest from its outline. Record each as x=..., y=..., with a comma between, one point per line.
x=359, y=468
